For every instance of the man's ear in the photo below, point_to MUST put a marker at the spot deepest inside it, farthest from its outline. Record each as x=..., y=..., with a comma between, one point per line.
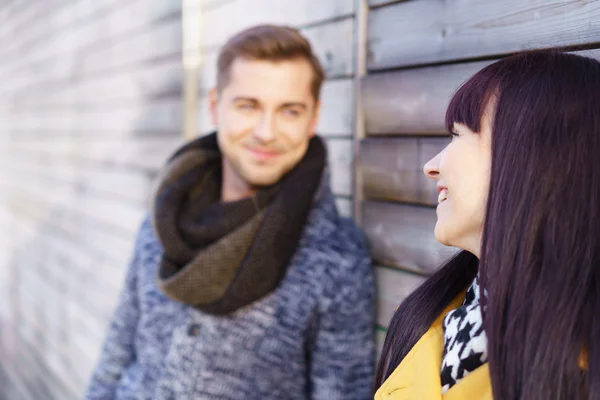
x=213, y=102
x=315, y=119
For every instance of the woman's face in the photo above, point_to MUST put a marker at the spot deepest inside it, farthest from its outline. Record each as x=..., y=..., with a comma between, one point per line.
x=462, y=171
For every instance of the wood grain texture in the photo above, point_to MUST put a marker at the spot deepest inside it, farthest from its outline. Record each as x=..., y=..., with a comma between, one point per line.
x=430, y=31
x=340, y=157
x=401, y=236
x=393, y=286
x=78, y=80
x=127, y=184
x=392, y=168
x=143, y=153
x=331, y=43
x=158, y=42
x=120, y=216
x=162, y=115
x=412, y=101
x=122, y=88
x=344, y=206
x=241, y=14
x=121, y=24
x=379, y=340
x=380, y=3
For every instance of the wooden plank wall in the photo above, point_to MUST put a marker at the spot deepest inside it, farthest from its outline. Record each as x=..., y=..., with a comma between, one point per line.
x=90, y=106
x=418, y=53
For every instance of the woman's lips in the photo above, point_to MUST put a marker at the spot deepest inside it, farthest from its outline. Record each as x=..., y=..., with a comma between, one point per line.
x=442, y=193
x=442, y=196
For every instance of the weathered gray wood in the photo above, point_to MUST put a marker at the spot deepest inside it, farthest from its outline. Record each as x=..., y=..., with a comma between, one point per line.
x=18, y=17
x=392, y=168
x=123, y=88
x=430, y=31
x=60, y=15
x=402, y=236
x=81, y=37
x=120, y=216
x=380, y=3
x=97, y=240
x=393, y=286
x=412, y=101
x=344, y=206
x=148, y=153
x=340, y=164
x=337, y=116
x=379, y=340
x=160, y=42
x=130, y=185
x=161, y=115
x=296, y=13
x=119, y=24
x=331, y=43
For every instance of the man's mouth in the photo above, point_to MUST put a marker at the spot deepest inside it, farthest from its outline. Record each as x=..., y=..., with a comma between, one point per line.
x=263, y=154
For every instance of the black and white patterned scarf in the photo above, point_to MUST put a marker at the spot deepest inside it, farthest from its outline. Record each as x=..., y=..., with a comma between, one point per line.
x=465, y=342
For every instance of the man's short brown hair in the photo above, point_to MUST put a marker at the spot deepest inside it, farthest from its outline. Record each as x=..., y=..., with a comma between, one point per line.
x=268, y=43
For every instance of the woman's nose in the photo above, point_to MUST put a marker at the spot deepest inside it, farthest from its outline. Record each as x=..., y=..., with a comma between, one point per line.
x=432, y=167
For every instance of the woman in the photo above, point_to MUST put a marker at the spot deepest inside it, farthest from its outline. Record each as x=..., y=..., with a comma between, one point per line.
x=516, y=314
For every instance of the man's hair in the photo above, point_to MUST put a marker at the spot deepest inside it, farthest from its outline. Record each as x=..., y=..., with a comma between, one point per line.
x=269, y=43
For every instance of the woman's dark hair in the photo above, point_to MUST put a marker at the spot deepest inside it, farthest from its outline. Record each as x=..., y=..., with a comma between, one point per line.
x=540, y=254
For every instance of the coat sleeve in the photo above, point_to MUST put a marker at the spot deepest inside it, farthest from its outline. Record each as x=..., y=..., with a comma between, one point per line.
x=118, y=349
x=342, y=361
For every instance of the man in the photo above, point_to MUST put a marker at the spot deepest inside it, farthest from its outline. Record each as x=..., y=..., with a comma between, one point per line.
x=245, y=282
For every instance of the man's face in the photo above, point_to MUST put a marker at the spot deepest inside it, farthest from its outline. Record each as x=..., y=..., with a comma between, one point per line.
x=265, y=117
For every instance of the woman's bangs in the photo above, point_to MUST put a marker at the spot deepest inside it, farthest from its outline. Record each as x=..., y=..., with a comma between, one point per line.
x=470, y=100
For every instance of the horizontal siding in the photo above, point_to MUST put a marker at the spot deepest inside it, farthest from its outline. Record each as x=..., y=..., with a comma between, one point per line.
x=434, y=31
x=401, y=236
x=392, y=168
x=241, y=14
x=90, y=110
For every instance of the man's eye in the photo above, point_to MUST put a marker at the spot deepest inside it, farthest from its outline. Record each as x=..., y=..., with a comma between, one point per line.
x=292, y=112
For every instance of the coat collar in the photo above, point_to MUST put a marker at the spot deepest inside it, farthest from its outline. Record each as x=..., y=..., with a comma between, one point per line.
x=418, y=375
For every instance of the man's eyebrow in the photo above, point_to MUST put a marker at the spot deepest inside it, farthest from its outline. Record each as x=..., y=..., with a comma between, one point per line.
x=241, y=98
x=295, y=104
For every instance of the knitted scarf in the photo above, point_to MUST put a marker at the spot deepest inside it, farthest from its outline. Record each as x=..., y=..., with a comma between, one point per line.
x=219, y=257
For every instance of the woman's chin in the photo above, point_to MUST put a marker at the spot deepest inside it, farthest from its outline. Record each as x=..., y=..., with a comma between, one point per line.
x=441, y=234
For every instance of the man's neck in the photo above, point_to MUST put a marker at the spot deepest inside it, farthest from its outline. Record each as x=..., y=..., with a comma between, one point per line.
x=233, y=187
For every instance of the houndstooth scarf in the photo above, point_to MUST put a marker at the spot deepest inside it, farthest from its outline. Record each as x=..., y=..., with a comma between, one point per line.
x=465, y=342
x=219, y=257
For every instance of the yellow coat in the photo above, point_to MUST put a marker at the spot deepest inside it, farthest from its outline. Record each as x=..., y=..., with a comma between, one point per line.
x=418, y=375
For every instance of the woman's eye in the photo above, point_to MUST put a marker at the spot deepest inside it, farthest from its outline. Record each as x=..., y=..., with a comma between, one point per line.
x=453, y=135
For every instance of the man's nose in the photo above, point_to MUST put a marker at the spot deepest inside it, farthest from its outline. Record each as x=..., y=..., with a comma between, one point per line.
x=265, y=131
